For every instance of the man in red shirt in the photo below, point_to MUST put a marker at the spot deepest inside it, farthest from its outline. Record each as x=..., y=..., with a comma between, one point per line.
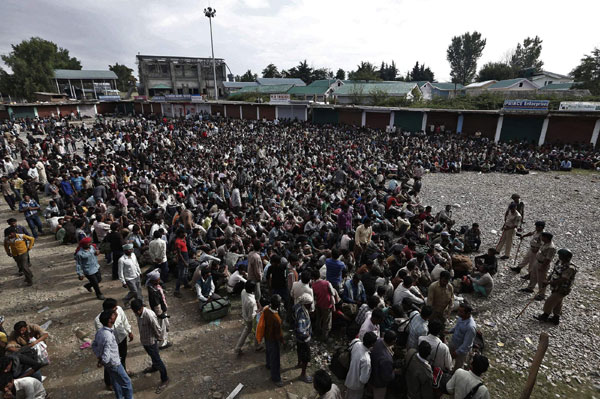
x=325, y=303
x=182, y=262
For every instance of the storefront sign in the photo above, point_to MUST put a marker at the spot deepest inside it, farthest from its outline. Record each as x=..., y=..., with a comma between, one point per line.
x=280, y=99
x=140, y=98
x=526, y=105
x=109, y=98
x=579, y=106
x=158, y=99
x=198, y=98
x=178, y=97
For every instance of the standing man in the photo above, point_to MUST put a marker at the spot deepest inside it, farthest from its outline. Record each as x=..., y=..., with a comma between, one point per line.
x=468, y=384
x=359, y=371
x=520, y=207
x=324, y=304
x=539, y=271
x=158, y=253
x=121, y=330
x=440, y=296
x=30, y=209
x=106, y=349
x=249, y=310
x=150, y=334
x=86, y=264
x=362, y=238
x=512, y=220
x=269, y=327
x=382, y=364
x=303, y=333
x=561, y=280
x=129, y=274
x=17, y=246
x=463, y=335
x=255, y=268
x=334, y=268
x=418, y=372
x=534, y=246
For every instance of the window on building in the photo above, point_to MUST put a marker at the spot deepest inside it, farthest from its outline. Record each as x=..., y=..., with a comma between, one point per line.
x=521, y=84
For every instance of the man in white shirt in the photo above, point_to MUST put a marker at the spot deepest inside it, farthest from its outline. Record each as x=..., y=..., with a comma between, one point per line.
x=464, y=382
x=26, y=387
x=129, y=274
x=403, y=291
x=302, y=287
x=239, y=276
x=249, y=309
x=440, y=354
x=359, y=371
x=371, y=324
x=158, y=253
x=418, y=327
x=122, y=331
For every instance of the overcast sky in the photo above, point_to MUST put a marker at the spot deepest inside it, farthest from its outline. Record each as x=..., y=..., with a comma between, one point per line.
x=249, y=34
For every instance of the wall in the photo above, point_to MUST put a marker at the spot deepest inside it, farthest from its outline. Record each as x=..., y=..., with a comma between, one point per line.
x=249, y=112
x=485, y=123
x=46, y=111
x=350, y=117
x=233, y=111
x=291, y=112
x=570, y=129
x=217, y=109
x=377, y=120
x=522, y=128
x=448, y=119
x=266, y=112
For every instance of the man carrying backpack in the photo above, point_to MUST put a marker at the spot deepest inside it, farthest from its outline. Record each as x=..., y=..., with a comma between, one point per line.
x=359, y=371
x=467, y=384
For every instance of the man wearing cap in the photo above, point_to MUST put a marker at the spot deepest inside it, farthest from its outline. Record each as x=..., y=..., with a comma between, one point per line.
x=129, y=274
x=511, y=222
x=561, y=280
x=534, y=246
x=86, y=264
x=520, y=207
x=539, y=270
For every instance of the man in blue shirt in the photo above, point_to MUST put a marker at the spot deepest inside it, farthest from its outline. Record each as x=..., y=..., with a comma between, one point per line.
x=86, y=264
x=354, y=291
x=463, y=335
x=66, y=187
x=334, y=269
x=30, y=209
x=107, y=351
x=77, y=182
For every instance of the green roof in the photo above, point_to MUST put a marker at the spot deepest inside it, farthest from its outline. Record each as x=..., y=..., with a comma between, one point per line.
x=308, y=90
x=365, y=89
x=323, y=83
x=558, y=86
x=502, y=84
x=267, y=89
x=446, y=86
x=84, y=74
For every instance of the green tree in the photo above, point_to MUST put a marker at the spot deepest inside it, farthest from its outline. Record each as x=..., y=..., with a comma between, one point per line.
x=364, y=71
x=527, y=56
x=33, y=62
x=301, y=71
x=388, y=72
x=248, y=76
x=340, y=74
x=420, y=73
x=321, y=74
x=495, y=71
x=271, y=71
x=587, y=73
x=462, y=54
x=125, y=78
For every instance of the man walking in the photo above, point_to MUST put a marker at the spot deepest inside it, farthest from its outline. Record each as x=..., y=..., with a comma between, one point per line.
x=303, y=332
x=150, y=334
x=463, y=335
x=249, y=310
x=121, y=330
x=129, y=274
x=107, y=351
x=158, y=253
x=30, y=209
x=561, y=280
x=86, y=264
x=17, y=246
x=511, y=222
x=269, y=327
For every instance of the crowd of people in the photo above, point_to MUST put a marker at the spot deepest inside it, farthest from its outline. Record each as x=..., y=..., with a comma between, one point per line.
x=317, y=228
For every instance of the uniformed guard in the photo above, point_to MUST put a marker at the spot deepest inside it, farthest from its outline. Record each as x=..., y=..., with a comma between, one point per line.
x=534, y=246
x=561, y=280
x=512, y=220
x=516, y=199
x=539, y=270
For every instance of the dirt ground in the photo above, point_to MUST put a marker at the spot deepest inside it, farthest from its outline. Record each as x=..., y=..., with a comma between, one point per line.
x=201, y=363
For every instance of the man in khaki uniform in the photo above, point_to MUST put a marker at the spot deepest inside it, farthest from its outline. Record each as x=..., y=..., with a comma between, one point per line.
x=561, y=280
x=440, y=297
x=511, y=222
x=539, y=270
x=534, y=246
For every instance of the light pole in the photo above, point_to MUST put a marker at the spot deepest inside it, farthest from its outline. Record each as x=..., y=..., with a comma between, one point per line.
x=210, y=12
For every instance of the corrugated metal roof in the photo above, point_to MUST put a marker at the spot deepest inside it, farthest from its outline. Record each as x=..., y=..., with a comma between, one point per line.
x=236, y=85
x=558, y=86
x=323, y=83
x=446, y=86
x=503, y=84
x=268, y=89
x=308, y=90
x=280, y=81
x=477, y=85
x=83, y=74
x=365, y=89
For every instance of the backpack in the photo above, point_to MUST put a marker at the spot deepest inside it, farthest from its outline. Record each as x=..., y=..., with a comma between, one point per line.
x=403, y=331
x=340, y=362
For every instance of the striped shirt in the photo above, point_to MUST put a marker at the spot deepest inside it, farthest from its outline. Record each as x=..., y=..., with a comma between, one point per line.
x=150, y=330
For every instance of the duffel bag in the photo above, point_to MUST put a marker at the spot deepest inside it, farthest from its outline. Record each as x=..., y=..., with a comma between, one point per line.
x=215, y=309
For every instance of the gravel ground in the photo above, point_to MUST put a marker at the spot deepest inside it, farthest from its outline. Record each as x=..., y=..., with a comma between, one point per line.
x=201, y=363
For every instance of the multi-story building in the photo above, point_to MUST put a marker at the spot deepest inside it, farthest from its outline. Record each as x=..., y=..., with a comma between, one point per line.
x=160, y=75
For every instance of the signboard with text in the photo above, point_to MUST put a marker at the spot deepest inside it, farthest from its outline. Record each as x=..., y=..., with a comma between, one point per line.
x=280, y=99
x=579, y=106
x=526, y=105
x=109, y=98
x=178, y=97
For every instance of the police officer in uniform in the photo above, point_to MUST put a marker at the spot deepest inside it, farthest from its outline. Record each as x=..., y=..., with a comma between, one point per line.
x=512, y=221
x=539, y=269
x=534, y=246
x=561, y=280
x=516, y=199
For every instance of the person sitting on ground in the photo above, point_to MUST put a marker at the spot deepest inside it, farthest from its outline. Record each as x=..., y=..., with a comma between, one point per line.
x=404, y=291
x=489, y=260
x=26, y=387
x=354, y=291
x=205, y=288
x=472, y=239
x=482, y=280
